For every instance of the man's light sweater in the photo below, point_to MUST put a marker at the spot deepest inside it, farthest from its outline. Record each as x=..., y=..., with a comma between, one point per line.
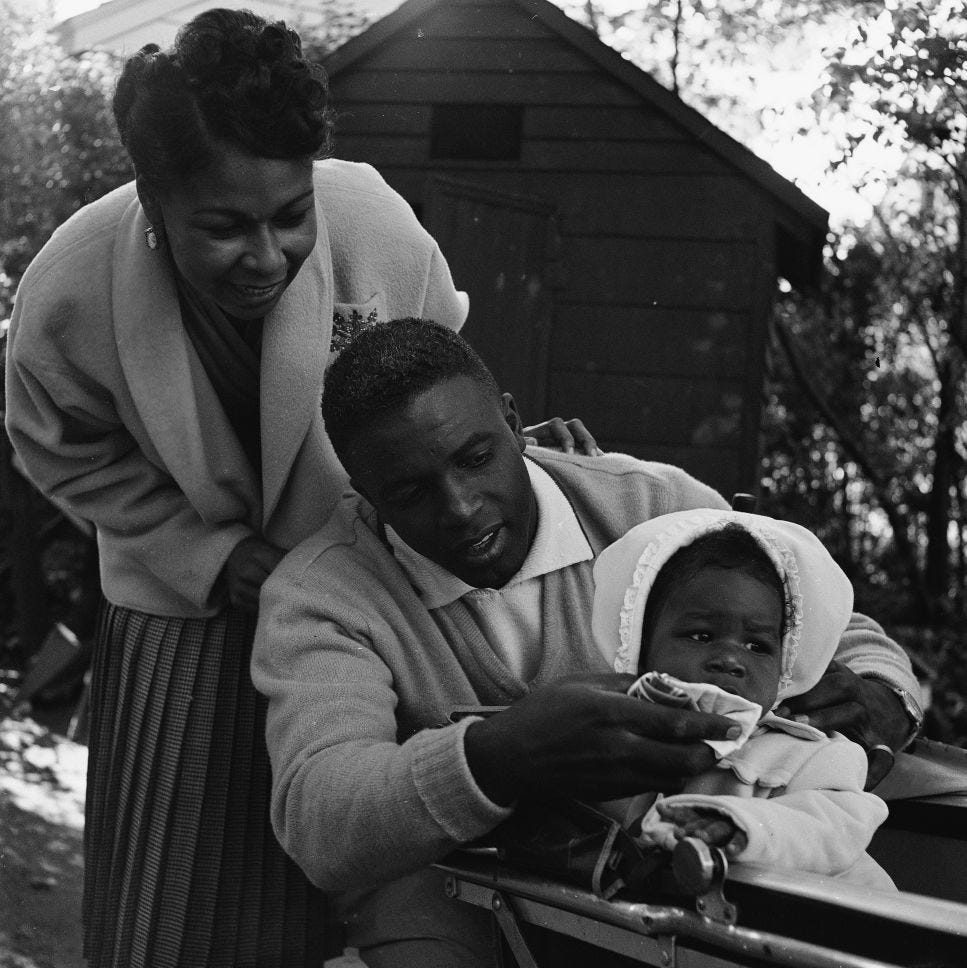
x=358, y=675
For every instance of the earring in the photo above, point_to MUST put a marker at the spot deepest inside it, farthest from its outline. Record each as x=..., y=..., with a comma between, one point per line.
x=151, y=239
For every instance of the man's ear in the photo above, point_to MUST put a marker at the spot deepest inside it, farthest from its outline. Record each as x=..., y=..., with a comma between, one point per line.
x=511, y=414
x=150, y=204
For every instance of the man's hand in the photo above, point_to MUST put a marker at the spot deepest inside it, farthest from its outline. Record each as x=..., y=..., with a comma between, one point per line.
x=251, y=561
x=866, y=711
x=715, y=829
x=568, y=435
x=583, y=737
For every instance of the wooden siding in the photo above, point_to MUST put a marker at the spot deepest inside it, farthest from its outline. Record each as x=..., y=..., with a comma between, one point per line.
x=666, y=258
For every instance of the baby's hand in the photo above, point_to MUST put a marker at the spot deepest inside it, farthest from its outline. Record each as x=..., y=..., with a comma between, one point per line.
x=714, y=828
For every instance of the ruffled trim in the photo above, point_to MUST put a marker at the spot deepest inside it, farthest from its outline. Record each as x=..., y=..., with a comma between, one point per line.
x=682, y=532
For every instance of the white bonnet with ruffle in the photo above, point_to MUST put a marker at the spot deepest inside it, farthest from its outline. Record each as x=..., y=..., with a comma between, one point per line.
x=818, y=595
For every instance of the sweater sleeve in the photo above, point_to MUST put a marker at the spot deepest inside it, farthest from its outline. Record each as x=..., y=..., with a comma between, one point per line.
x=75, y=449
x=822, y=822
x=350, y=803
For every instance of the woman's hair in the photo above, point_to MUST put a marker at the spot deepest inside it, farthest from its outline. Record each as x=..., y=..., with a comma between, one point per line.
x=229, y=76
x=728, y=547
x=385, y=366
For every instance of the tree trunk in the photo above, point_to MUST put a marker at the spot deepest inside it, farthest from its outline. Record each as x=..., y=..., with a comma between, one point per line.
x=937, y=569
x=905, y=548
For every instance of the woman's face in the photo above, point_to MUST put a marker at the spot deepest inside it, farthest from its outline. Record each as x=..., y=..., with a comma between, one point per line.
x=240, y=230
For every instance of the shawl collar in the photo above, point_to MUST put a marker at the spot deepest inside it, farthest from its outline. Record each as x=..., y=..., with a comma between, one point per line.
x=295, y=350
x=175, y=399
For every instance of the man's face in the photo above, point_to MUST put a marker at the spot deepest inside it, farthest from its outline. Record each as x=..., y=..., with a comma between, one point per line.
x=447, y=475
x=723, y=627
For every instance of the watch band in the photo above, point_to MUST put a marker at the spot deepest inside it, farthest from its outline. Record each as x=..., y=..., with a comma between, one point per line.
x=910, y=706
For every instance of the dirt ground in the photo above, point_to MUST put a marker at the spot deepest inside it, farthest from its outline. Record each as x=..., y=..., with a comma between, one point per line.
x=41, y=846
x=42, y=783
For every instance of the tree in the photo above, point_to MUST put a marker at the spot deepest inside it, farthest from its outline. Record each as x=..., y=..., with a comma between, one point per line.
x=58, y=146
x=902, y=82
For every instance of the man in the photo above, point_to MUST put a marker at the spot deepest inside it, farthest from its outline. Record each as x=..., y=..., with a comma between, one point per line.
x=460, y=574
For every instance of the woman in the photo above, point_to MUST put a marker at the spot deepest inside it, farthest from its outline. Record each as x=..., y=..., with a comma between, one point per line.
x=164, y=373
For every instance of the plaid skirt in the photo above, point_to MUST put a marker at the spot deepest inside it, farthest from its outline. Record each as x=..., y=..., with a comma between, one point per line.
x=181, y=864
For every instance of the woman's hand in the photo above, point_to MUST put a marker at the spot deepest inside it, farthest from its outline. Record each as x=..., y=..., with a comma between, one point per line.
x=715, y=829
x=583, y=737
x=567, y=435
x=251, y=561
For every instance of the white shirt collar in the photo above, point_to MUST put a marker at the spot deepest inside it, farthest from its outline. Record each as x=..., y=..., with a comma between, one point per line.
x=558, y=543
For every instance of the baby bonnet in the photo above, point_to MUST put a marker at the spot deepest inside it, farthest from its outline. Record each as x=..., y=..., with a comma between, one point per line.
x=818, y=595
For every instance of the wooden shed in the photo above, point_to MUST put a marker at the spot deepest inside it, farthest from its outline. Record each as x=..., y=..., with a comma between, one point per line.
x=621, y=252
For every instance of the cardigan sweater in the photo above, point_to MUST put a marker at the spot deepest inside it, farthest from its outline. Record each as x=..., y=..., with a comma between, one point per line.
x=370, y=783
x=114, y=418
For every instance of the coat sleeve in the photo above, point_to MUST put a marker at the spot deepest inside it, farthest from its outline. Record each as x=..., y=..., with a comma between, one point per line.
x=822, y=822
x=73, y=446
x=443, y=302
x=350, y=803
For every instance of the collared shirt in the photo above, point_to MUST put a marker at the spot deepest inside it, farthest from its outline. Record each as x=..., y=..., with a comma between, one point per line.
x=510, y=617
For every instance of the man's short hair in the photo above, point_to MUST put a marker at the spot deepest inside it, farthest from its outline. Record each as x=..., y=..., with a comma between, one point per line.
x=388, y=364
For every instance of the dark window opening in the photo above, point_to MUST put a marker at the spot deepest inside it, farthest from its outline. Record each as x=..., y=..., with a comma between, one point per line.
x=488, y=132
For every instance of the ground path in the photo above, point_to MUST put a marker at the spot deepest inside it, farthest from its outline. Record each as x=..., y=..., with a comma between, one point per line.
x=42, y=783
x=41, y=846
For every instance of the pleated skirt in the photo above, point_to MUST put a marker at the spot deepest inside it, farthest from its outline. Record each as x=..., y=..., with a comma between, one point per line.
x=181, y=864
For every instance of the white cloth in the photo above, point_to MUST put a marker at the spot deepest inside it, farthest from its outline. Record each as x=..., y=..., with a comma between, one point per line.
x=818, y=595
x=799, y=801
x=510, y=616
x=706, y=698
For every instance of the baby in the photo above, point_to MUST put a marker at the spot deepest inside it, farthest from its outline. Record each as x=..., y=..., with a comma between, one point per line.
x=733, y=613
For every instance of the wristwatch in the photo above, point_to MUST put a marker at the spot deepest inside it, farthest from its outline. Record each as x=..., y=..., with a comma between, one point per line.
x=910, y=705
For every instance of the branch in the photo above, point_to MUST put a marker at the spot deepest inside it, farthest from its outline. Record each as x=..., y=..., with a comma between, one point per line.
x=676, y=39
x=851, y=446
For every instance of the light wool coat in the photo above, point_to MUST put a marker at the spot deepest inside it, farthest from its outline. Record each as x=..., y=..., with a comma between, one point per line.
x=113, y=416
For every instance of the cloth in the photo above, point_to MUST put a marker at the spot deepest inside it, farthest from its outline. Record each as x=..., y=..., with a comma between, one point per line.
x=800, y=802
x=818, y=596
x=113, y=415
x=659, y=686
x=230, y=353
x=181, y=866
x=359, y=675
x=510, y=616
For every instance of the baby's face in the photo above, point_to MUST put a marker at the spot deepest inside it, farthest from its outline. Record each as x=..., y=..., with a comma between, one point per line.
x=722, y=627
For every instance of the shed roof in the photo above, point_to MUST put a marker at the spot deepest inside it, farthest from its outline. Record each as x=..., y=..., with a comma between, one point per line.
x=695, y=124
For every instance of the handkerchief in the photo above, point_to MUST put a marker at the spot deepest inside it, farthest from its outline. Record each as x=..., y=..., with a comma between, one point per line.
x=665, y=689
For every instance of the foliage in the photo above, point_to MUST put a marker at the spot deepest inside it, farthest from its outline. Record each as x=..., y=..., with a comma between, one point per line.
x=336, y=21
x=896, y=293
x=868, y=404
x=58, y=146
